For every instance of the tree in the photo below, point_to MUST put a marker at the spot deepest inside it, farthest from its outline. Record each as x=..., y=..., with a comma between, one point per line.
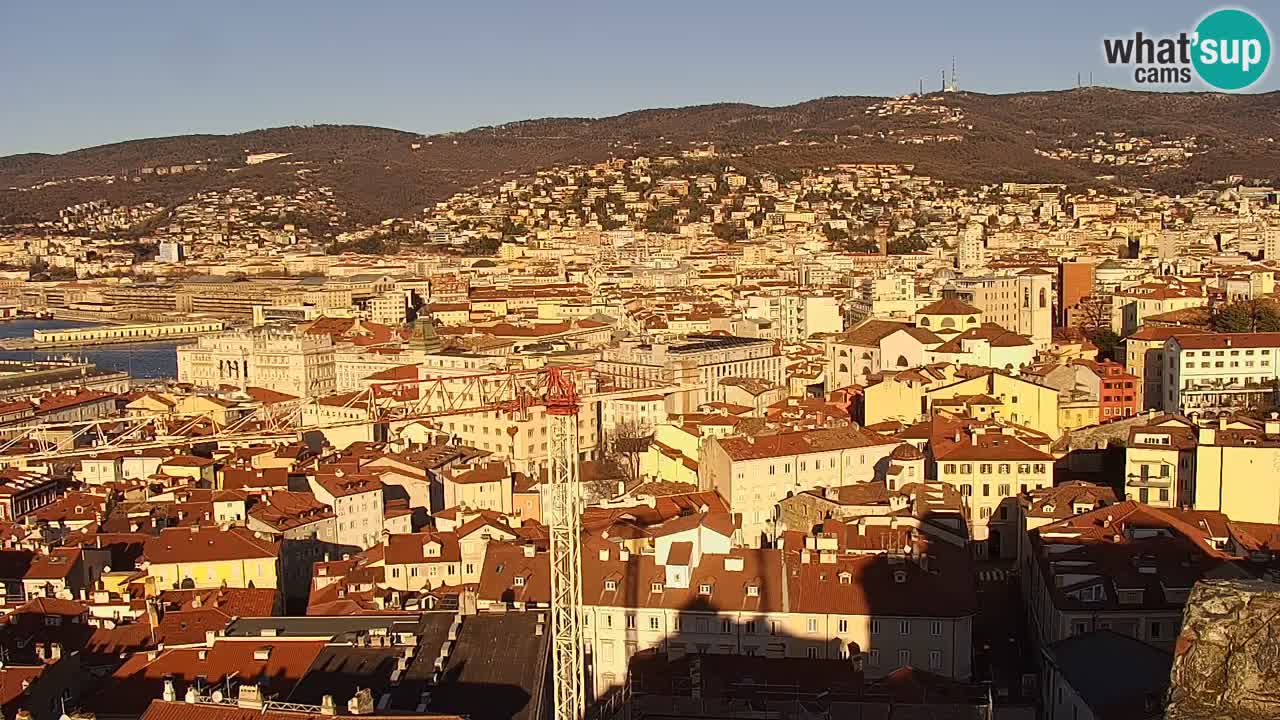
x=729, y=231
x=904, y=246
x=1108, y=344
x=623, y=448
x=1092, y=314
x=1245, y=316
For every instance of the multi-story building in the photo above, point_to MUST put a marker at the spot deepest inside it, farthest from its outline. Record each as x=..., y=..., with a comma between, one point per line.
x=1160, y=462
x=990, y=468
x=797, y=315
x=356, y=499
x=1132, y=306
x=754, y=472
x=1117, y=391
x=487, y=486
x=1022, y=303
x=695, y=360
x=1126, y=567
x=1075, y=283
x=1235, y=469
x=1221, y=372
x=1144, y=359
x=389, y=308
x=290, y=362
x=880, y=610
x=196, y=558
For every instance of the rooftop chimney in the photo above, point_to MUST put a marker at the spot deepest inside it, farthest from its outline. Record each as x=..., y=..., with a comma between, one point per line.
x=249, y=697
x=361, y=703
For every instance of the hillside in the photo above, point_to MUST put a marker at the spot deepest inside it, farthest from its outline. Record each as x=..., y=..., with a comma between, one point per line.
x=378, y=173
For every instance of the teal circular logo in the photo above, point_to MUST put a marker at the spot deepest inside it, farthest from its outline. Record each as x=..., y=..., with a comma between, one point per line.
x=1232, y=49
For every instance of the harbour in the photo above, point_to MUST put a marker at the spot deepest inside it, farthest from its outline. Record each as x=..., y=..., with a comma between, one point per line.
x=144, y=360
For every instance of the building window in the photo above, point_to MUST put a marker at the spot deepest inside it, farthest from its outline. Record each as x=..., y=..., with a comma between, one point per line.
x=812, y=653
x=842, y=626
x=935, y=660
x=904, y=627
x=873, y=657
x=813, y=625
x=904, y=658
x=875, y=627
x=631, y=621
x=654, y=623
x=935, y=628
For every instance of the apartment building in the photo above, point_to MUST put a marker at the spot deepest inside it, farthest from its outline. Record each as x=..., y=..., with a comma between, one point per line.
x=480, y=486
x=754, y=472
x=1144, y=359
x=1235, y=469
x=1160, y=462
x=1131, y=307
x=284, y=360
x=879, y=611
x=1220, y=372
x=796, y=315
x=1022, y=303
x=197, y=558
x=990, y=467
x=356, y=499
x=1126, y=567
x=695, y=360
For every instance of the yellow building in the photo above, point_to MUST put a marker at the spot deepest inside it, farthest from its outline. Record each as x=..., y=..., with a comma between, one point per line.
x=672, y=456
x=947, y=316
x=1021, y=402
x=1235, y=470
x=198, y=558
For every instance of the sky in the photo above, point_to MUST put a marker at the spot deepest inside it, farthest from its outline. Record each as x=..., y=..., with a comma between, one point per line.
x=85, y=72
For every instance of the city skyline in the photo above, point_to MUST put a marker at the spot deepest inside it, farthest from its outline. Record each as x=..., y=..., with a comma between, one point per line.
x=152, y=71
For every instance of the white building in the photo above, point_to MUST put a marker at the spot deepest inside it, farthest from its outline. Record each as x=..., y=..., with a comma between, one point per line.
x=389, y=308
x=697, y=360
x=1211, y=372
x=295, y=363
x=754, y=473
x=795, y=315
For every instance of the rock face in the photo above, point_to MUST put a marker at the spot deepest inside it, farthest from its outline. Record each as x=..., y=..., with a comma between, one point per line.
x=1227, y=661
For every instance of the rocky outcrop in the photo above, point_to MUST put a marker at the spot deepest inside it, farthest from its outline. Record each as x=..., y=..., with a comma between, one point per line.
x=1227, y=661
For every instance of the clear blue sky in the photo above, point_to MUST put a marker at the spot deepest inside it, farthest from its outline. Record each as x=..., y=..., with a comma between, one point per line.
x=86, y=72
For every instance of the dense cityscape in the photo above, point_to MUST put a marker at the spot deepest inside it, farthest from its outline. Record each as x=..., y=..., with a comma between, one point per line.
x=675, y=433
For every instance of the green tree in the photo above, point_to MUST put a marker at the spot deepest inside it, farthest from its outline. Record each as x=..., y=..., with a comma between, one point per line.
x=1108, y=343
x=1245, y=316
x=903, y=246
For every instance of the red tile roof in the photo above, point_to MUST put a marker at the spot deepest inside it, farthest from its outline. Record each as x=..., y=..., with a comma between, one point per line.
x=193, y=545
x=801, y=443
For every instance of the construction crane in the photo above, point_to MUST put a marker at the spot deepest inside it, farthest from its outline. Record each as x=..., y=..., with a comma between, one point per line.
x=560, y=390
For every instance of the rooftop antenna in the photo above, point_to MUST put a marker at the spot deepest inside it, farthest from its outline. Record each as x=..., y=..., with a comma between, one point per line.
x=1090, y=78
x=944, y=79
x=922, y=86
x=953, y=73
x=1077, y=80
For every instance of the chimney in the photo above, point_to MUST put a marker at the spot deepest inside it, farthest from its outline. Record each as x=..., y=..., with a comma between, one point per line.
x=327, y=706
x=55, y=651
x=169, y=694
x=361, y=703
x=249, y=697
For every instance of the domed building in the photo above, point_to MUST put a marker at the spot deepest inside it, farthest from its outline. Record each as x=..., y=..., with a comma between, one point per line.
x=906, y=465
